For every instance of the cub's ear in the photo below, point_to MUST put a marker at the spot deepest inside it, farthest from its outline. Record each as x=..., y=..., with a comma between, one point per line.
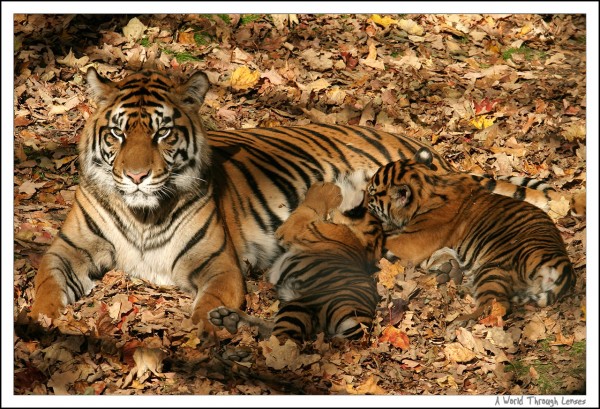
x=194, y=89
x=101, y=89
x=425, y=157
x=401, y=195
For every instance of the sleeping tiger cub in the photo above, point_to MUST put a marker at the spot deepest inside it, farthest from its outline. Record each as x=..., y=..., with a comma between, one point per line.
x=163, y=200
x=324, y=279
x=509, y=249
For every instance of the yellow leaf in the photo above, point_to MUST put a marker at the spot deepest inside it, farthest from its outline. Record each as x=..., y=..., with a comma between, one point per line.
x=482, y=122
x=526, y=29
x=244, y=78
x=385, y=22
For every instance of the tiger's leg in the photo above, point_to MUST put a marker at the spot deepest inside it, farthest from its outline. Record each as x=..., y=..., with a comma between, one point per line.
x=490, y=283
x=294, y=320
x=221, y=284
x=349, y=314
x=77, y=255
x=320, y=199
x=232, y=319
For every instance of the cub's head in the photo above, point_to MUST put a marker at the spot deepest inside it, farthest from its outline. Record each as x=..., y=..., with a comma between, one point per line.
x=398, y=190
x=145, y=143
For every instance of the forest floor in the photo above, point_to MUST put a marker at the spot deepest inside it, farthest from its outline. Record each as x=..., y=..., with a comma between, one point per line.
x=495, y=94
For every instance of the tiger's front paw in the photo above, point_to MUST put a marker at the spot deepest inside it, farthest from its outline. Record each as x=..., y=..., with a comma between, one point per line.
x=50, y=308
x=224, y=317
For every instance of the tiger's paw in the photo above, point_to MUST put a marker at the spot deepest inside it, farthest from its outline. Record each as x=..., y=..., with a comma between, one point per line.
x=445, y=263
x=45, y=310
x=224, y=317
x=238, y=354
x=323, y=197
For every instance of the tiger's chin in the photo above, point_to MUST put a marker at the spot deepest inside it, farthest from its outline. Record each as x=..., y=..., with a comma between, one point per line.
x=139, y=201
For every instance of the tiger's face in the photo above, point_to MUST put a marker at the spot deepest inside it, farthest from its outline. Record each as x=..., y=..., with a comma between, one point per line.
x=145, y=143
x=398, y=190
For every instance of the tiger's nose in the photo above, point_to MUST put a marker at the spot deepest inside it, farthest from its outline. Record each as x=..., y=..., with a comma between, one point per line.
x=138, y=177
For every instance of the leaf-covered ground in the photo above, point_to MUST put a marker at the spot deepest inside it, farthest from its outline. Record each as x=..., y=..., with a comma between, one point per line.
x=497, y=94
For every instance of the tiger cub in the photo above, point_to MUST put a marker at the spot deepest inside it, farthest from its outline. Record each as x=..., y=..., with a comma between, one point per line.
x=509, y=249
x=324, y=279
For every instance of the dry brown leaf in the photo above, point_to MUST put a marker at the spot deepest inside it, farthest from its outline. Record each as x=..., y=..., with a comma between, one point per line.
x=149, y=359
x=134, y=30
x=70, y=61
x=560, y=339
x=535, y=330
x=389, y=272
x=411, y=27
x=29, y=188
x=368, y=387
x=466, y=338
x=455, y=352
x=287, y=355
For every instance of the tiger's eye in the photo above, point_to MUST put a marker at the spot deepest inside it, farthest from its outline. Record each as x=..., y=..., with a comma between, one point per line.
x=117, y=133
x=163, y=133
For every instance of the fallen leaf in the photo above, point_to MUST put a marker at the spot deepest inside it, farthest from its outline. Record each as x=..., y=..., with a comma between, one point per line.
x=411, y=27
x=287, y=355
x=574, y=130
x=243, y=78
x=388, y=272
x=482, y=122
x=466, y=338
x=456, y=352
x=447, y=381
x=500, y=338
x=134, y=30
x=560, y=339
x=394, y=336
x=70, y=61
x=384, y=22
x=29, y=188
x=149, y=359
x=495, y=319
x=535, y=330
x=559, y=208
x=368, y=387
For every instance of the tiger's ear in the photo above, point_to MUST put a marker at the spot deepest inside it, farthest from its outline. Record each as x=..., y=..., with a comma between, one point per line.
x=100, y=88
x=425, y=157
x=195, y=88
x=401, y=195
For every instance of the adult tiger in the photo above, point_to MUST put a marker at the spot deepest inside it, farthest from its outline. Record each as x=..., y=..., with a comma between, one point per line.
x=324, y=279
x=509, y=249
x=163, y=200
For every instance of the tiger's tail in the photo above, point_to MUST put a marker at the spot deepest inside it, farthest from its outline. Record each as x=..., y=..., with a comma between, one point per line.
x=530, y=190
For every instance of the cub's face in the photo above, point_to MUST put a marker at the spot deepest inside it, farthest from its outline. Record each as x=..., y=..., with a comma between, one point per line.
x=395, y=191
x=145, y=142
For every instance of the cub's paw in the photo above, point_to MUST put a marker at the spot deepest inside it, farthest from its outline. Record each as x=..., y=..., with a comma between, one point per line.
x=323, y=196
x=445, y=263
x=224, y=317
